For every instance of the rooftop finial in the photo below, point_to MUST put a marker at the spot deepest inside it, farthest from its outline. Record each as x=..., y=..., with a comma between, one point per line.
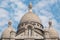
x=30, y=7
x=50, y=22
x=9, y=23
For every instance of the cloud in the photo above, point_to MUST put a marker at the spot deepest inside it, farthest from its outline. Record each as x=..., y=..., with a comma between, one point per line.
x=46, y=13
x=44, y=20
x=18, y=16
x=19, y=4
x=44, y=3
x=4, y=3
x=3, y=12
x=3, y=16
x=20, y=10
x=43, y=7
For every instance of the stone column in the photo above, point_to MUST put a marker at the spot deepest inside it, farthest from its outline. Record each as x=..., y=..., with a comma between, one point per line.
x=12, y=35
x=46, y=35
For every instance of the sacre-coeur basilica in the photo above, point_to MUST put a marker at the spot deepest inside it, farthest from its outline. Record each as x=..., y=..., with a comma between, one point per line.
x=30, y=28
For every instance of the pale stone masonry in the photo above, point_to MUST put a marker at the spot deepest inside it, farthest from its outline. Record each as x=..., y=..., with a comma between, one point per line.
x=30, y=28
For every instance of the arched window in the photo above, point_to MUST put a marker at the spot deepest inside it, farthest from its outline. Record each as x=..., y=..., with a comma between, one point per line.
x=29, y=30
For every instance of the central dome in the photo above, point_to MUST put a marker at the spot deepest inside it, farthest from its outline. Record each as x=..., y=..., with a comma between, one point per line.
x=28, y=17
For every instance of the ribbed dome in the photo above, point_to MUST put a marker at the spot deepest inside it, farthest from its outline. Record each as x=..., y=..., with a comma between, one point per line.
x=28, y=17
x=6, y=33
x=53, y=32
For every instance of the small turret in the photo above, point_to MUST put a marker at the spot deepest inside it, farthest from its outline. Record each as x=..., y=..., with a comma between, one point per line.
x=52, y=32
x=7, y=32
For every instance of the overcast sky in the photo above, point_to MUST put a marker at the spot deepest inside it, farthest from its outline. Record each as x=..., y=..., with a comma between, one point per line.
x=15, y=9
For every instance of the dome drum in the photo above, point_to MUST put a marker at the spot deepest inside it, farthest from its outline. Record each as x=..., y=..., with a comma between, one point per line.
x=34, y=24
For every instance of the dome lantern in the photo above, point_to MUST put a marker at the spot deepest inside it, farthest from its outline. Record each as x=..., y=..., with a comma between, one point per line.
x=9, y=23
x=50, y=23
x=30, y=7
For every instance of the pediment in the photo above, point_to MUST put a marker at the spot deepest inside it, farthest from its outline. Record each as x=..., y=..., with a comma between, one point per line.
x=20, y=36
x=38, y=36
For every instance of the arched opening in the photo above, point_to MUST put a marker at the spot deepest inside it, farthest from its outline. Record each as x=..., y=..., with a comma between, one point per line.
x=29, y=30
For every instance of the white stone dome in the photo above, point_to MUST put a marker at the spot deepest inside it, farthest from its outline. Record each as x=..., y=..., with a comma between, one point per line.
x=53, y=33
x=6, y=33
x=28, y=17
